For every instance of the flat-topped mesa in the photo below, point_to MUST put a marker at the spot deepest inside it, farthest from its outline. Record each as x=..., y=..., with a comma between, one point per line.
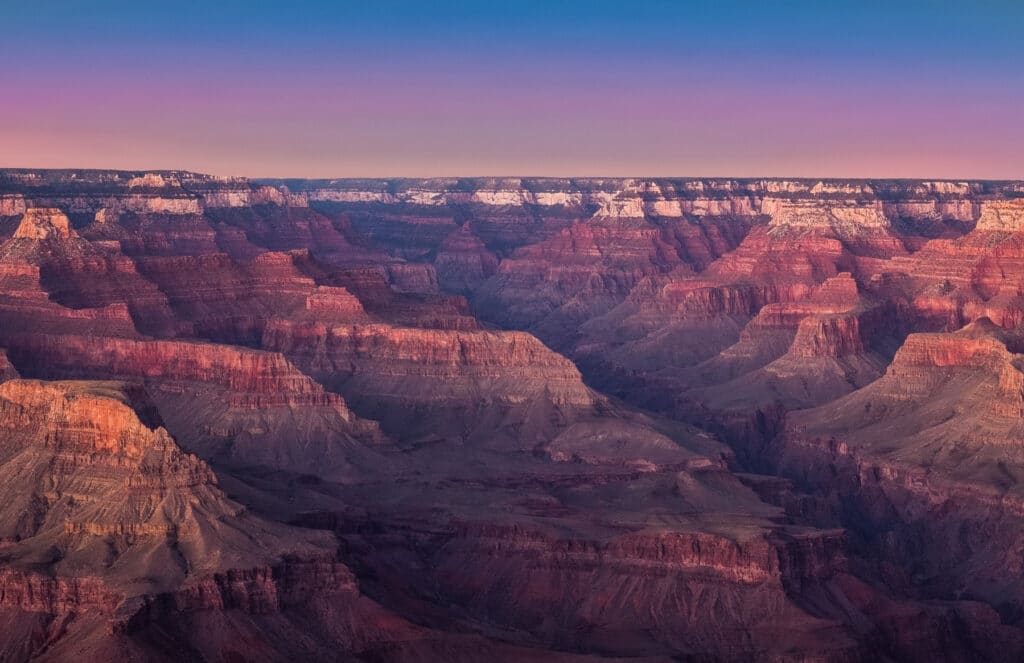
x=832, y=326
x=979, y=344
x=1002, y=215
x=153, y=181
x=246, y=195
x=252, y=378
x=848, y=218
x=432, y=366
x=839, y=290
x=334, y=303
x=659, y=584
x=44, y=223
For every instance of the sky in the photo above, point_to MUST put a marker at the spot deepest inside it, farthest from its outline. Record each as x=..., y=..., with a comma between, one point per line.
x=389, y=88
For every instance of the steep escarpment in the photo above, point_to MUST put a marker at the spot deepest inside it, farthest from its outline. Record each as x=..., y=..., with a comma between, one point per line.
x=644, y=593
x=232, y=405
x=88, y=467
x=102, y=510
x=494, y=388
x=935, y=461
x=7, y=371
x=463, y=261
x=951, y=282
x=644, y=585
x=48, y=271
x=154, y=558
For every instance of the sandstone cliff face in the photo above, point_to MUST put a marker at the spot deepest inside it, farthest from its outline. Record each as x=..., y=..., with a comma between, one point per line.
x=939, y=452
x=50, y=262
x=140, y=234
x=12, y=205
x=651, y=592
x=237, y=406
x=89, y=470
x=1005, y=215
x=43, y=223
x=446, y=359
x=458, y=385
x=463, y=261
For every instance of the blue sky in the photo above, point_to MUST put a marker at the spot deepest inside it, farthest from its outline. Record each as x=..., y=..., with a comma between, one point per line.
x=870, y=88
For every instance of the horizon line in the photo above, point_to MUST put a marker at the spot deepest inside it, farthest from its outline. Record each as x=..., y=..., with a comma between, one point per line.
x=509, y=176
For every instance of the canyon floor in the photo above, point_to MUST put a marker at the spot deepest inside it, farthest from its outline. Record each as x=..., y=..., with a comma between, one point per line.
x=756, y=420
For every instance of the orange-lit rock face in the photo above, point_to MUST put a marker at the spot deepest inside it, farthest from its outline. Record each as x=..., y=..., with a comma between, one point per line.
x=89, y=423
x=397, y=420
x=43, y=223
x=87, y=465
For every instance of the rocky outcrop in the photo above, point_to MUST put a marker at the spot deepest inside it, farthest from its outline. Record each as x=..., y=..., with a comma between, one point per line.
x=150, y=546
x=938, y=454
x=233, y=405
x=43, y=223
x=427, y=382
x=248, y=196
x=842, y=218
x=454, y=364
x=88, y=466
x=37, y=291
x=7, y=371
x=463, y=261
x=1007, y=215
x=12, y=205
x=334, y=303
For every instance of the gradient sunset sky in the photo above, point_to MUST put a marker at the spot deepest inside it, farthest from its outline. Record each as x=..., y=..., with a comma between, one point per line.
x=646, y=87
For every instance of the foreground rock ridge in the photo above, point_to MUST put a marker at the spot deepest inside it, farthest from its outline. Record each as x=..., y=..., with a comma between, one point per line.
x=510, y=419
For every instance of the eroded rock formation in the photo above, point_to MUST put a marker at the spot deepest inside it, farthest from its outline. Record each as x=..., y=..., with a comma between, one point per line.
x=397, y=420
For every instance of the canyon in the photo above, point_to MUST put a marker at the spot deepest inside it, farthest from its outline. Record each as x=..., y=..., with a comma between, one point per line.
x=510, y=419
